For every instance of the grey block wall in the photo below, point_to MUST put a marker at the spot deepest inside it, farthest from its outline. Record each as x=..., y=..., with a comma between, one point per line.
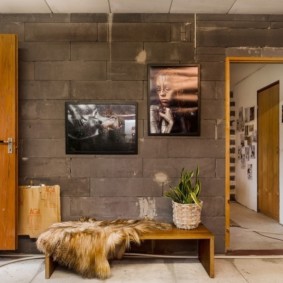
x=99, y=57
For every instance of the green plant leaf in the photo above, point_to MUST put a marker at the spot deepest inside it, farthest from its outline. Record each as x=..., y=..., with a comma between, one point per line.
x=188, y=188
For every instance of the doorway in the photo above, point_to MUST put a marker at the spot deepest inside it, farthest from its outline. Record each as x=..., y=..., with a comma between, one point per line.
x=248, y=200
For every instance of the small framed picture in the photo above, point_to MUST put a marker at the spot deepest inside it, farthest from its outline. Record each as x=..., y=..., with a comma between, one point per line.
x=174, y=100
x=101, y=128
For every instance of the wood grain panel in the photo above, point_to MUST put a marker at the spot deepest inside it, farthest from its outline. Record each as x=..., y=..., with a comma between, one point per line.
x=268, y=151
x=8, y=129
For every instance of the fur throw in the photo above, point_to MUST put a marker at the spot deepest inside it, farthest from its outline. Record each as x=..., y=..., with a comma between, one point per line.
x=86, y=245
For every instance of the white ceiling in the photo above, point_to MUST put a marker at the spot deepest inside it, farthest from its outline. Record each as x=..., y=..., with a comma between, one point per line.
x=143, y=6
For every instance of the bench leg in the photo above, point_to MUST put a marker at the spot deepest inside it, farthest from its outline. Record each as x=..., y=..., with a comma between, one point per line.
x=49, y=266
x=206, y=255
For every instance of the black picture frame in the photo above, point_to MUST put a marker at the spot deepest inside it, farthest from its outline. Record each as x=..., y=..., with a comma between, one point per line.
x=96, y=127
x=174, y=100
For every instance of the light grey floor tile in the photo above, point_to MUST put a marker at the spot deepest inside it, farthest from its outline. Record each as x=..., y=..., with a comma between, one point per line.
x=267, y=270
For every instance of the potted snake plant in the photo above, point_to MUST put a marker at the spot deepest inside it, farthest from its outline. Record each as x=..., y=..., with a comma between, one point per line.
x=185, y=200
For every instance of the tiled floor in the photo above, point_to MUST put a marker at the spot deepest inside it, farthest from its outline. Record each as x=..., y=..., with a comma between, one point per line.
x=254, y=231
x=251, y=231
x=265, y=270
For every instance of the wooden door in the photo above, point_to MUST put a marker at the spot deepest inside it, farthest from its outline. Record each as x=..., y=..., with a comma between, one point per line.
x=8, y=141
x=268, y=151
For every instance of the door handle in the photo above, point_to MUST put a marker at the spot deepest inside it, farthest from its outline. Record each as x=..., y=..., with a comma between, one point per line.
x=8, y=142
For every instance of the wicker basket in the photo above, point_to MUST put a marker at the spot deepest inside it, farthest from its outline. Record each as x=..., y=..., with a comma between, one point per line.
x=186, y=216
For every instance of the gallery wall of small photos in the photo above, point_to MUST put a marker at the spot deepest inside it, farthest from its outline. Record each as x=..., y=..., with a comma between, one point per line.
x=246, y=150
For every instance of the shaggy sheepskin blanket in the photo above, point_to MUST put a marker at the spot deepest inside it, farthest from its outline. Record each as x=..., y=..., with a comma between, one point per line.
x=86, y=245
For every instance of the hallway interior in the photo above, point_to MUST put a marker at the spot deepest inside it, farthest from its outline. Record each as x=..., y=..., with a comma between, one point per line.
x=254, y=233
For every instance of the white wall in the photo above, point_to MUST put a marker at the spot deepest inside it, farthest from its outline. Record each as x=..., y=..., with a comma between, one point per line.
x=245, y=94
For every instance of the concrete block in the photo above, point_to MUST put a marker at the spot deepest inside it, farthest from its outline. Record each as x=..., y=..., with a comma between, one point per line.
x=243, y=51
x=42, y=148
x=126, y=71
x=103, y=32
x=215, y=224
x=90, y=51
x=196, y=148
x=126, y=18
x=275, y=18
x=43, y=167
x=271, y=52
x=104, y=90
x=46, y=109
x=232, y=23
x=239, y=37
x=213, y=206
x=75, y=70
x=212, y=90
x=42, y=129
x=25, y=245
x=127, y=187
x=141, y=32
x=66, y=209
x=60, y=32
x=153, y=148
x=219, y=242
x=105, y=207
x=220, y=168
x=78, y=187
x=26, y=71
x=169, y=52
x=32, y=18
x=53, y=51
x=68, y=186
x=143, y=104
x=168, y=18
x=212, y=71
x=212, y=186
x=210, y=129
x=182, y=32
x=81, y=167
x=169, y=169
x=44, y=90
x=13, y=28
x=89, y=18
x=118, y=167
x=212, y=109
x=158, y=208
x=210, y=58
x=214, y=50
x=125, y=51
x=163, y=209
x=115, y=187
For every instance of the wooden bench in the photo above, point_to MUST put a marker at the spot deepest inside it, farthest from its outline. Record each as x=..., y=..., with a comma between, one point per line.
x=205, y=246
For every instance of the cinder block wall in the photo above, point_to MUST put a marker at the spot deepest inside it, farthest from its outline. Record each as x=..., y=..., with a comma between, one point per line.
x=104, y=57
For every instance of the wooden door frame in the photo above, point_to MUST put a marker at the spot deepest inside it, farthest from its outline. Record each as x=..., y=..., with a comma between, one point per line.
x=228, y=61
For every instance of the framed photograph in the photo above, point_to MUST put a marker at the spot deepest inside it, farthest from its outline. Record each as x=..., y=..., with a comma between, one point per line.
x=101, y=128
x=174, y=100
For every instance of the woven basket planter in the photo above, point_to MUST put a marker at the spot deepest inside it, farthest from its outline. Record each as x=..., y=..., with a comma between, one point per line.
x=186, y=216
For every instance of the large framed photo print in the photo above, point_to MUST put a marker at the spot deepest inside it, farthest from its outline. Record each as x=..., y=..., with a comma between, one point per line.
x=101, y=128
x=174, y=100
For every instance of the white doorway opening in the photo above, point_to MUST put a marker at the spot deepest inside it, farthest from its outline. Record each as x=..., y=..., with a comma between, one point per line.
x=244, y=77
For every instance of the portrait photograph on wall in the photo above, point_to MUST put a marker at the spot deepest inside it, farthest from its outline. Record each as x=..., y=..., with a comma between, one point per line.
x=174, y=100
x=101, y=128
